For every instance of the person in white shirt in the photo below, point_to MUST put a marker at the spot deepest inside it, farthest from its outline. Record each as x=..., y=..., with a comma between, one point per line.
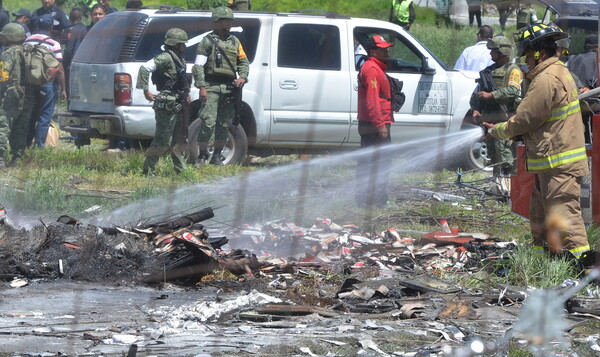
x=477, y=57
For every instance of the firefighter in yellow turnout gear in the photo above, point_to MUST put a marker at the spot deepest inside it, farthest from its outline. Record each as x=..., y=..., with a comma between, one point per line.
x=549, y=118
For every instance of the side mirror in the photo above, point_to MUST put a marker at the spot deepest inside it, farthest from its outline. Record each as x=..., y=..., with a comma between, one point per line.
x=429, y=70
x=425, y=67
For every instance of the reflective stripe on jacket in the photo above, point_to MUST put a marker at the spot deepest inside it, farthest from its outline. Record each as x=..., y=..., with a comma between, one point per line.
x=550, y=121
x=401, y=9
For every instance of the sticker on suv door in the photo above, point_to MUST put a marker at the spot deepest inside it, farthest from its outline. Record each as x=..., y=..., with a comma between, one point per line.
x=433, y=97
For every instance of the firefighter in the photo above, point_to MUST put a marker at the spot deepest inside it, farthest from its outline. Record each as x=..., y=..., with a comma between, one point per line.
x=497, y=99
x=549, y=119
x=168, y=73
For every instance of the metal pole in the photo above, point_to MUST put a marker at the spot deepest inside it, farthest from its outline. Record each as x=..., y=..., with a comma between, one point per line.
x=595, y=196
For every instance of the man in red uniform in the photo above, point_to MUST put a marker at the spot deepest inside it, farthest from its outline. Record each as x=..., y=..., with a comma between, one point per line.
x=374, y=120
x=374, y=106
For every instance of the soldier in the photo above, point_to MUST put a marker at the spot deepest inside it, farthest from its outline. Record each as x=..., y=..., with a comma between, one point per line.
x=16, y=98
x=526, y=16
x=496, y=99
x=549, y=118
x=221, y=67
x=168, y=74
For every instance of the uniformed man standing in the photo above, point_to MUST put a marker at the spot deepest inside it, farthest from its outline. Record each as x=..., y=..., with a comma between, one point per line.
x=16, y=98
x=526, y=16
x=494, y=103
x=168, y=74
x=403, y=13
x=221, y=67
x=549, y=118
x=239, y=5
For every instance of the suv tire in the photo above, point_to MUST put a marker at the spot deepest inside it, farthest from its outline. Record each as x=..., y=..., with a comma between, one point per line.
x=235, y=149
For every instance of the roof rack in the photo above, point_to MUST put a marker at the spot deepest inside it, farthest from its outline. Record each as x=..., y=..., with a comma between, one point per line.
x=170, y=8
x=327, y=14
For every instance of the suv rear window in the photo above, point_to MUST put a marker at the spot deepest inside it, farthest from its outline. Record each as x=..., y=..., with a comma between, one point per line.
x=246, y=30
x=104, y=41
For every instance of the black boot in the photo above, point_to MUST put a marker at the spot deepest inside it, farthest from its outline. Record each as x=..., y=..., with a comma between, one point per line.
x=202, y=158
x=216, y=157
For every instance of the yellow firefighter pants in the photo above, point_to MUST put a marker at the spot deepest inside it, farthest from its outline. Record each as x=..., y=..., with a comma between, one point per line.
x=562, y=190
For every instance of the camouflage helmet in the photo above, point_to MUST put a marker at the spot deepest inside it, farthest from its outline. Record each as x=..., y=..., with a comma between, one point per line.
x=175, y=36
x=222, y=12
x=500, y=44
x=13, y=33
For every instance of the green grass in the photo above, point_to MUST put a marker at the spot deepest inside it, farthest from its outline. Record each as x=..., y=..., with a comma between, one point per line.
x=66, y=180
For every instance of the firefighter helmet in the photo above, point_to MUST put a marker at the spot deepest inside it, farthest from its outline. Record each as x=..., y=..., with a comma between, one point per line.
x=175, y=36
x=13, y=33
x=222, y=12
x=535, y=36
x=500, y=44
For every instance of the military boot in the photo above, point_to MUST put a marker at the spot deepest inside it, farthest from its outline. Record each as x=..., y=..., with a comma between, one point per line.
x=2, y=164
x=216, y=157
x=202, y=158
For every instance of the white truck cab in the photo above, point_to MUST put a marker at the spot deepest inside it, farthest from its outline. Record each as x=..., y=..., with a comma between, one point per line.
x=302, y=90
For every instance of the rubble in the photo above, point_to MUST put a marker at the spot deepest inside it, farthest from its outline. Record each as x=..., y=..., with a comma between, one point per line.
x=336, y=283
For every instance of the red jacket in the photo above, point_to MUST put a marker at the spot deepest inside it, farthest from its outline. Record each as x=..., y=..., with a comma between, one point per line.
x=373, y=81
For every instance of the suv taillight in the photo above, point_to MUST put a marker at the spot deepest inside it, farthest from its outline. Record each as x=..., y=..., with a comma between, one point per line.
x=122, y=89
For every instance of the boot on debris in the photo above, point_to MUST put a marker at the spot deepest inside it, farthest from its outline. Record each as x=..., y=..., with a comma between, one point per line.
x=202, y=158
x=216, y=157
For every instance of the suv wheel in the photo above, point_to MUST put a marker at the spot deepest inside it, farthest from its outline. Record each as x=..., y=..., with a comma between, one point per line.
x=235, y=149
x=477, y=157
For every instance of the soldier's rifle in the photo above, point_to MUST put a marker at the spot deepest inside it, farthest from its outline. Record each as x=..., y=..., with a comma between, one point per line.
x=488, y=108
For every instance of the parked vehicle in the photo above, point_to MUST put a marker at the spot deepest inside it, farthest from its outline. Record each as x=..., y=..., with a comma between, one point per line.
x=302, y=90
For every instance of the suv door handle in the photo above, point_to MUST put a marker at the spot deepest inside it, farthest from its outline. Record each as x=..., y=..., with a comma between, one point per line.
x=288, y=84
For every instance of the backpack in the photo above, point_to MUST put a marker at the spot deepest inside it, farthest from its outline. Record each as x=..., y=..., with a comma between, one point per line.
x=40, y=65
x=398, y=96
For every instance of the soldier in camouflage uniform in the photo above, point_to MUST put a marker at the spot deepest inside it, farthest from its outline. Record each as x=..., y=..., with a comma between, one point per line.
x=495, y=105
x=168, y=74
x=16, y=98
x=216, y=78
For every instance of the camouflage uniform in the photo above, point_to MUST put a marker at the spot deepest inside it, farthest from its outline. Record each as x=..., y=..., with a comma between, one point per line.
x=168, y=108
x=217, y=77
x=508, y=79
x=526, y=16
x=16, y=98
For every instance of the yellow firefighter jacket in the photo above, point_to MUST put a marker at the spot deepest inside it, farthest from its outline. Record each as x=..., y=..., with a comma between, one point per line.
x=550, y=121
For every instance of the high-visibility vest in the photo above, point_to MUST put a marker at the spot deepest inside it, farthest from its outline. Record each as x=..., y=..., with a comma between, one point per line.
x=401, y=9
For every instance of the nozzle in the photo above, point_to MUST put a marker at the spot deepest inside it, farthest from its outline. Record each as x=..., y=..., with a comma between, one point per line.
x=485, y=130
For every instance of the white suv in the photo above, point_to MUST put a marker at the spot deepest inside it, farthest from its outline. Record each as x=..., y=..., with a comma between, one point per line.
x=302, y=90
